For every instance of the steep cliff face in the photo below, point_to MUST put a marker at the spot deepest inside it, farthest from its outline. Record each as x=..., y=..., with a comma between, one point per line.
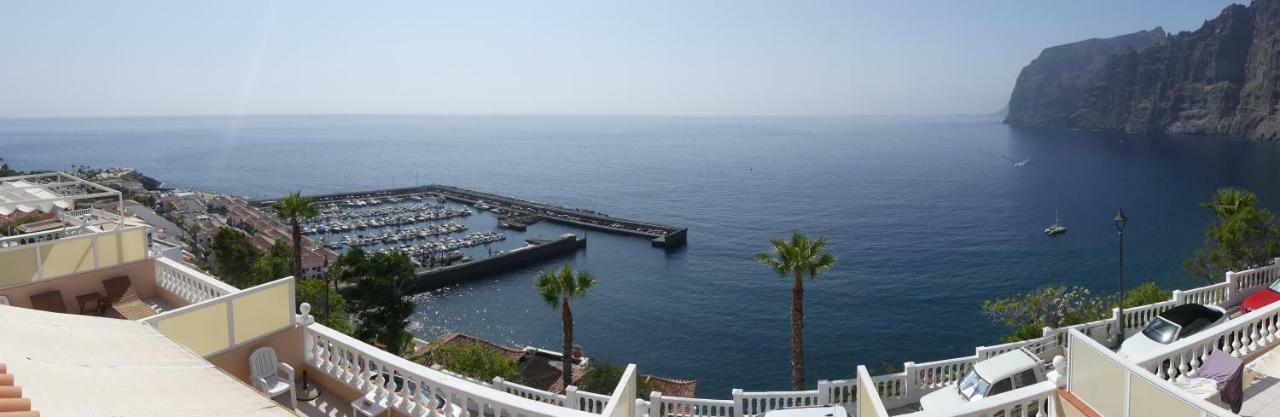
x=1221, y=79
x=1051, y=88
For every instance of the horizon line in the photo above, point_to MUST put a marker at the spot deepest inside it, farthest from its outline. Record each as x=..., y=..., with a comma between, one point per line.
x=637, y=115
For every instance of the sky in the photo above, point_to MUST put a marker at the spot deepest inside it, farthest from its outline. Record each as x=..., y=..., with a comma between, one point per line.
x=662, y=57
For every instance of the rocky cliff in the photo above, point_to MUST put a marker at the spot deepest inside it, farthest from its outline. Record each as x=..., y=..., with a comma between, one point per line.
x=1221, y=79
x=1051, y=88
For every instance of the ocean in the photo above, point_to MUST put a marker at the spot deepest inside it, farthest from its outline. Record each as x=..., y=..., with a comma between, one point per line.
x=928, y=215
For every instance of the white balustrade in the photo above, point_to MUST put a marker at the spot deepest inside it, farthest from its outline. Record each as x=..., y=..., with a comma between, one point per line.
x=413, y=389
x=187, y=283
x=895, y=390
x=1241, y=283
x=1241, y=336
x=663, y=406
x=1138, y=317
x=757, y=402
x=842, y=392
x=591, y=402
x=532, y=393
x=1216, y=294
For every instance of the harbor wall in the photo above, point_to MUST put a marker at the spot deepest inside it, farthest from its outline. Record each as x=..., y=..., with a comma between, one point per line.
x=443, y=277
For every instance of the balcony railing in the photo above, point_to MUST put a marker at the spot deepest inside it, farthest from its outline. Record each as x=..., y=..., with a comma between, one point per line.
x=916, y=380
x=1244, y=335
x=411, y=388
x=189, y=284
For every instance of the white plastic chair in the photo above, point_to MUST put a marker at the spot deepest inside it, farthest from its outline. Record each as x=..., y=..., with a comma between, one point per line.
x=264, y=371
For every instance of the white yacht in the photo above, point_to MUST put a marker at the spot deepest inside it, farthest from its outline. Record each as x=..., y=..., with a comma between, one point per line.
x=1056, y=227
x=480, y=204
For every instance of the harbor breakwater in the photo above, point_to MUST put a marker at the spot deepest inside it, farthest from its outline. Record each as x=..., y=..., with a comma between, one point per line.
x=466, y=271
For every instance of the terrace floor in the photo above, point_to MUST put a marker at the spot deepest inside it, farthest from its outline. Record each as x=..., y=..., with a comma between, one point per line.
x=1262, y=391
x=1262, y=398
x=328, y=405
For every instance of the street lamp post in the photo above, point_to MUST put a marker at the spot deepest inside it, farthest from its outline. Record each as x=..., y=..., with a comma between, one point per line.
x=1120, y=221
x=325, y=277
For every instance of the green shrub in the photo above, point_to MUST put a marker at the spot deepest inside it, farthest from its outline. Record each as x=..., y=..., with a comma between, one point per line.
x=1147, y=293
x=603, y=377
x=477, y=361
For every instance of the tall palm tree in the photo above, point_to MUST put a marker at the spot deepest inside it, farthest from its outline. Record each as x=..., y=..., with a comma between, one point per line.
x=294, y=208
x=800, y=257
x=557, y=286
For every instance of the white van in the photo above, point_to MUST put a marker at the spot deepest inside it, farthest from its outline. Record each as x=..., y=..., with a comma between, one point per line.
x=1002, y=373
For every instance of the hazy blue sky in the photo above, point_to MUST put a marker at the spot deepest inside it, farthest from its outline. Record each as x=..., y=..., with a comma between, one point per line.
x=683, y=57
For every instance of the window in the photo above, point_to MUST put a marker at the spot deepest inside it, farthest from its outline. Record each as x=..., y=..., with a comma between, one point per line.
x=1001, y=387
x=1027, y=377
x=1161, y=331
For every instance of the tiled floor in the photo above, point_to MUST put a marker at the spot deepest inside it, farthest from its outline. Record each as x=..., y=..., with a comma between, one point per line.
x=1262, y=399
x=328, y=405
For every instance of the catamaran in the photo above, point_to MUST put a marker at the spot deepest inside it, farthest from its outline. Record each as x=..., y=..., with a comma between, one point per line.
x=1056, y=227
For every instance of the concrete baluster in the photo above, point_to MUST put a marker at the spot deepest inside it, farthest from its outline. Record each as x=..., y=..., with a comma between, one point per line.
x=1179, y=298
x=1233, y=288
x=571, y=397
x=655, y=403
x=1119, y=321
x=824, y=392
x=912, y=381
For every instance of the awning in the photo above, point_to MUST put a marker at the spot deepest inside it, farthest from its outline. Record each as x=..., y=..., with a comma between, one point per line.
x=45, y=192
x=26, y=197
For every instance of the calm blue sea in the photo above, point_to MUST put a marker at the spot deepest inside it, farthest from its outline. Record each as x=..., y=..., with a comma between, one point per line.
x=928, y=215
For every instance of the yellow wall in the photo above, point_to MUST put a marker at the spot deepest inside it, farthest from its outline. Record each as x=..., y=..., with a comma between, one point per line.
x=203, y=329
x=262, y=312
x=1146, y=400
x=19, y=266
x=109, y=250
x=133, y=245
x=67, y=256
x=1096, y=380
x=70, y=256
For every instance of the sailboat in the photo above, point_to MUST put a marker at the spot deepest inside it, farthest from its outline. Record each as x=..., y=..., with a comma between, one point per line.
x=1056, y=227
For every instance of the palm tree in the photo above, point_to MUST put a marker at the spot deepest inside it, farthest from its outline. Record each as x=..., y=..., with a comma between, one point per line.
x=556, y=288
x=799, y=257
x=294, y=208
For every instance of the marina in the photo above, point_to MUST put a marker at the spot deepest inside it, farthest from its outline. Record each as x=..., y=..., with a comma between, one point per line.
x=448, y=232
x=351, y=208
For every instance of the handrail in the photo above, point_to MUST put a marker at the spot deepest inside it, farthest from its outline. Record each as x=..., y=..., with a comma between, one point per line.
x=361, y=366
x=187, y=283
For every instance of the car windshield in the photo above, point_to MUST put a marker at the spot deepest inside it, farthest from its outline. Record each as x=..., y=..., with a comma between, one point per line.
x=1275, y=285
x=973, y=387
x=1161, y=330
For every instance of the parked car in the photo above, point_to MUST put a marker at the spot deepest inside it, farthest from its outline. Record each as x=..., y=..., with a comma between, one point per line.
x=1171, y=325
x=811, y=411
x=1261, y=298
x=1002, y=373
